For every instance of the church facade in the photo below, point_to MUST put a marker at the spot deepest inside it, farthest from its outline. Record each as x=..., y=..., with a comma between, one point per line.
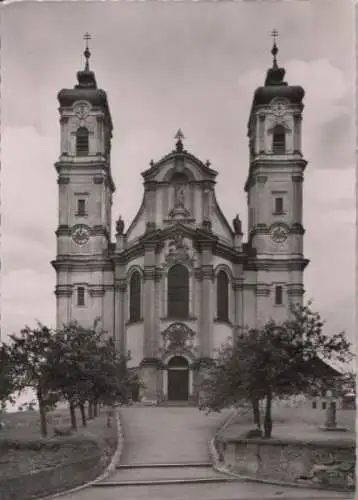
x=180, y=279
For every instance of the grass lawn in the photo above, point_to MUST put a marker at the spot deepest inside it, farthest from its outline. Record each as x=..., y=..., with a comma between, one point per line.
x=299, y=422
x=22, y=449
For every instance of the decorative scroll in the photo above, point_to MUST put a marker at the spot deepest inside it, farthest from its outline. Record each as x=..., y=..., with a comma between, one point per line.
x=178, y=336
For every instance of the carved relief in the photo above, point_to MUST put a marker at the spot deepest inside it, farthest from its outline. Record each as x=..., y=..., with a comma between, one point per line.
x=179, y=250
x=178, y=336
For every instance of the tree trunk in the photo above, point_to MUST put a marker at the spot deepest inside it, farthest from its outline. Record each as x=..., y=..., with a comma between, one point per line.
x=95, y=409
x=256, y=412
x=42, y=409
x=90, y=410
x=73, y=416
x=83, y=415
x=268, y=416
x=110, y=414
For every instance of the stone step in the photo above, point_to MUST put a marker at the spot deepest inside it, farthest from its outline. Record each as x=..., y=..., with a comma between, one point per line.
x=167, y=474
x=154, y=482
x=156, y=466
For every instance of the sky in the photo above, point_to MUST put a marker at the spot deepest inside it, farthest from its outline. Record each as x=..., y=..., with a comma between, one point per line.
x=165, y=65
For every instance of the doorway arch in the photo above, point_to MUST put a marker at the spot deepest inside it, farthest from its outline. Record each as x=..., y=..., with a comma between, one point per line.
x=178, y=379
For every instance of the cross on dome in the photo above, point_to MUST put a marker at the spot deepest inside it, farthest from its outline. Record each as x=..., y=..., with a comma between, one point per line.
x=274, y=33
x=87, y=52
x=179, y=136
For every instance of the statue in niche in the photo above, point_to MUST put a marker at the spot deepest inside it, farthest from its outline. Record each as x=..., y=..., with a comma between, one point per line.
x=179, y=195
x=120, y=226
x=237, y=224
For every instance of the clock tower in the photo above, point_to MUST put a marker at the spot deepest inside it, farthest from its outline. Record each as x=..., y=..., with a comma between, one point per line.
x=274, y=194
x=84, y=273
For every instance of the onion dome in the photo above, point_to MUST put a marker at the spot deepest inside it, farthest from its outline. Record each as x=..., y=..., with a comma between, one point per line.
x=86, y=89
x=275, y=86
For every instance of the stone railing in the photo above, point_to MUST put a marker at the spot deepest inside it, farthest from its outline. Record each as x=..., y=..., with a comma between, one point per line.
x=329, y=464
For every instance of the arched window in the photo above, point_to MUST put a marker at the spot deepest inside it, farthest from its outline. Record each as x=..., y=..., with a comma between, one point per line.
x=178, y=292
x=82, y=147
x=279, y=140
x=222, y=296
x=135, y=297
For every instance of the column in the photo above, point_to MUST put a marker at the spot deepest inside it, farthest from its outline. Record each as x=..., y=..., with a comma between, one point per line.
x=261, y=129
x=206, y=316
x=191, y=384
x=297, y=198
x=297, y=120
x=237, y=307
x=149, y=299
x=157, y=311
x=119, y=316
x=165, y=384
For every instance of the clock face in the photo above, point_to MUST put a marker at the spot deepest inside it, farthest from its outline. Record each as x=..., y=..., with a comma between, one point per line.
x=279, y=233
x=81, y=110
x=279, y=109
x=80, y=234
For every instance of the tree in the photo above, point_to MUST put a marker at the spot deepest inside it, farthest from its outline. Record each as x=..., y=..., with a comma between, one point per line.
x=29, y=353
x=87, y=368
x=275, y=361
x=73, y=351
x=8, y=381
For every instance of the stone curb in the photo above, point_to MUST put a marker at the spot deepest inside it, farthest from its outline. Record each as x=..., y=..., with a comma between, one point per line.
x=111, y=467
x=218, y=466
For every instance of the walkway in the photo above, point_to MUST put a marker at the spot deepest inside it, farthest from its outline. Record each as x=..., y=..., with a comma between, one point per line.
x=166, y=455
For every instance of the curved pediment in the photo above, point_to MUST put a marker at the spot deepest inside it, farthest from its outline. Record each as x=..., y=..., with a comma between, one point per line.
x=179, y=162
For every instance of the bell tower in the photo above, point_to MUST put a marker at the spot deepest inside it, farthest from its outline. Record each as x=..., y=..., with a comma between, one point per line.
x=85, y=199
x=274, y=192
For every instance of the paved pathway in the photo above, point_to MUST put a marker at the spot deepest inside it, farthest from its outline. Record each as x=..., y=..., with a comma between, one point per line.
x=157, y=440
x=167, y=435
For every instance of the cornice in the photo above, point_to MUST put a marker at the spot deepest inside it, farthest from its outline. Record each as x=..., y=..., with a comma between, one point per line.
x=63, y=230
x=96, y=290
x=277, y=265
x=205, y=272
x=262, y=290
x=62, y=179
x=121, y=285
x=63, y=291
x=295, y=289
x=70, y=263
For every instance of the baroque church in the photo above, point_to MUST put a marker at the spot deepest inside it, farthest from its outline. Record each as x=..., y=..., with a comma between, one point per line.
x=180, y=279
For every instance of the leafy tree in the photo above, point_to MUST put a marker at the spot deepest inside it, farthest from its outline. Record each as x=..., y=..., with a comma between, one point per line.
x=73, y=349
x=87, y=368
x=275, y=361
x=29, y=353
x=8, y=383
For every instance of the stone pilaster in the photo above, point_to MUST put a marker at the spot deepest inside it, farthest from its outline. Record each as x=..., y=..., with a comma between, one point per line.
x=206, y=313
x=238, y=305
x=149, y=297
x=263, y=307
x=120, y=317
x=261, y=134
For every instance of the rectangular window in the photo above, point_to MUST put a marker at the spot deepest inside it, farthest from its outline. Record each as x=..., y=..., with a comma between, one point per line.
x=81, y=207
x=278, y=295
x=314, y=404
x=81, y=296
x=324, y=405
x=279, y=205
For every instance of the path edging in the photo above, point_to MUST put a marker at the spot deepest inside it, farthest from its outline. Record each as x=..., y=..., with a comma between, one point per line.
x=218, y=466
x=111, y=467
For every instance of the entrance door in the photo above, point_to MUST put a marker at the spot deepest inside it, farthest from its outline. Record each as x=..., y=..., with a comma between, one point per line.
x=178, y=379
